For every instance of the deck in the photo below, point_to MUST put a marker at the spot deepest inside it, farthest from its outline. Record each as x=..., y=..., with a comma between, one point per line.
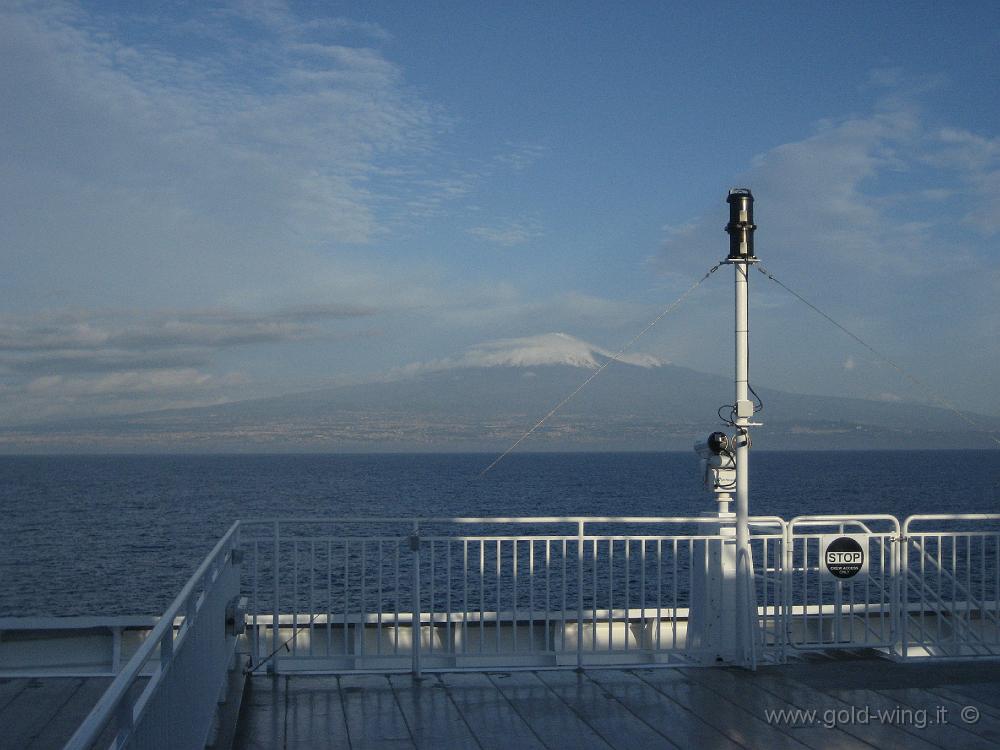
x=671, y=707
x=630, y=708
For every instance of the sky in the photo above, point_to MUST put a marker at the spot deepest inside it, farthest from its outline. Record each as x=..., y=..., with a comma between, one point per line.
x=206, y=202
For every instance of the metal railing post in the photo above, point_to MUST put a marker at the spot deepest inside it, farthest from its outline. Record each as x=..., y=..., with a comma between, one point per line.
x=415, y=621
x=900, y=583
x=788, y=553
x=579, y=597
x=275, y=620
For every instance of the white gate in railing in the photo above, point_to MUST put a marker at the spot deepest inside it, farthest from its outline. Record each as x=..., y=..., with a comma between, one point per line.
x=824, y=612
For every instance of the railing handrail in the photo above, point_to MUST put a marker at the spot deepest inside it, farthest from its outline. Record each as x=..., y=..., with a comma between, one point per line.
x=948, y=517
x=104, y=710
x=758, y=520
x=824, y=519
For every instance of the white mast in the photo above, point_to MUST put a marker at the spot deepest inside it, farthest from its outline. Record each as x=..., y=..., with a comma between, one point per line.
x=741, y=255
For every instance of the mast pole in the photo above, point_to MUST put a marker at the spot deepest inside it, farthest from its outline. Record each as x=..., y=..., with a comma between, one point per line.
x=741, y=255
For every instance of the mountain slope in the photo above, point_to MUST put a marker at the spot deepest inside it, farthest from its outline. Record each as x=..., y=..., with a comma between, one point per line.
x=488, y=397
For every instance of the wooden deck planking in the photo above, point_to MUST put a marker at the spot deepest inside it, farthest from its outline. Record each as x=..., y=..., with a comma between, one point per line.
x=315, y=713
x=735, y=686
x=60, y=727
x=493, y=721
x=801, y=695
x=37, y=705
x=987, y=729
x=678, y=724
x=433, y=719
x=620, y=729
x=374, y=719
x=732, y=720
x=9, y=690
x=556, y=724
x=724, y=708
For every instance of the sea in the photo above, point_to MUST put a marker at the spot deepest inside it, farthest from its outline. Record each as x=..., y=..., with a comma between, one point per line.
x=120, y=535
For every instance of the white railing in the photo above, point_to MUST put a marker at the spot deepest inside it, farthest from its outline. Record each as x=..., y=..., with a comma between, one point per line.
x=345, y=593
x=192, y=647
x=950, y=603
x=450, y=593
x=369, y=594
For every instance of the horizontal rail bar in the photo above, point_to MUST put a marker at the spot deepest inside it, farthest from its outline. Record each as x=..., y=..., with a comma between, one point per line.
x=108, y=704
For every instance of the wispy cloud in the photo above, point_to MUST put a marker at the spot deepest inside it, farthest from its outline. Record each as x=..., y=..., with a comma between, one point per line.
x=509, y=234
x=251, y=153
x=77, y=358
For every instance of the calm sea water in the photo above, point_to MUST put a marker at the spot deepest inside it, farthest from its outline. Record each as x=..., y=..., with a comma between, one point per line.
x=121, y=534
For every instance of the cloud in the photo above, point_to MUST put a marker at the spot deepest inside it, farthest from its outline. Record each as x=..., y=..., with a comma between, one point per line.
x=509, y=234
x=881, y=219
x=103, y=361
x=236, y=166
x=85, y=331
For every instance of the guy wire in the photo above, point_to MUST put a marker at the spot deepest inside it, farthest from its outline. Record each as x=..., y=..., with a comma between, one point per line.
x=666, y=311
x=913, y=379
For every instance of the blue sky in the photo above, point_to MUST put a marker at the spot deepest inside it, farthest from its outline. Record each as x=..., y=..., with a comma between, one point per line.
x=212, y=201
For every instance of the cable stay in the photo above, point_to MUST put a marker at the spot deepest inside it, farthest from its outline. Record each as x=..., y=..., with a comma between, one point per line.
x=614, y=358
x=930, y=393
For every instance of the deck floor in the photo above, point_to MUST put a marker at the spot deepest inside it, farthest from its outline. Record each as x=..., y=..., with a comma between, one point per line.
x=922, y=707
x=42, y=713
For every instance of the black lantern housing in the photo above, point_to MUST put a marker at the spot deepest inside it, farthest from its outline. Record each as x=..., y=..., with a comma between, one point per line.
x=740, y=227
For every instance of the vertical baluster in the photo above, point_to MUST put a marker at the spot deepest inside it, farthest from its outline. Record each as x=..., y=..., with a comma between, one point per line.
x=954, y=592
x=256, y=604
x=531, y=595
x=579, y=595
x=378, y=603
x=295, y=596
x=415, y=622
x=673, y=578
x=563, y=610
x=764, y=577
x=397, y=607
x=690, y=586
x=659, y=590
x=611, y=592
x=593, y=604
x=329, y=597
x=642, y=592
x=626, y=629
x=312, y=592
x=482, y=595
x=465, y=596
x=548, y=590
x=431, y=546
x=982, y=577
x=513, y=601
x=363, y=608
x=968, y=578
x=275, y=621
x=346, y=604
x=496, y=618
x=449, y=644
